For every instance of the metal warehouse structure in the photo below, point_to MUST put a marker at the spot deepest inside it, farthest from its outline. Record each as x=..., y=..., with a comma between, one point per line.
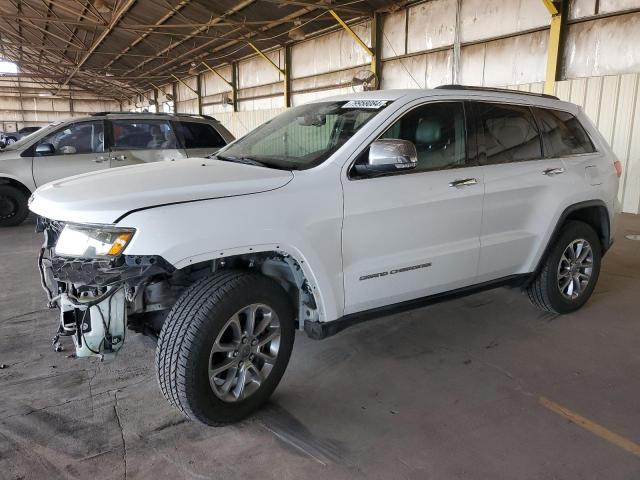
x=246, y=61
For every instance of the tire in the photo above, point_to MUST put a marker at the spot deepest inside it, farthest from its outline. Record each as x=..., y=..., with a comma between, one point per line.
x=199, y=321
x=546, y=291
x=11, y=141
x=13, y=206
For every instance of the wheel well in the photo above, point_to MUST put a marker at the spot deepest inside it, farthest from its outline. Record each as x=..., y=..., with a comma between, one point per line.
x=16, y=184
x=595, y=216
x=282, y=268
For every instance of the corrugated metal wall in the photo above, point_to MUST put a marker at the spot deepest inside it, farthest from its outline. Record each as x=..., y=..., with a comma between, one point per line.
x=24, y=103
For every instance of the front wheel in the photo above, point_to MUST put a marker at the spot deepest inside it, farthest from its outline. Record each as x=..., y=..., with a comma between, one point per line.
x=13, y=206
x=570, y=270
x=225, y=346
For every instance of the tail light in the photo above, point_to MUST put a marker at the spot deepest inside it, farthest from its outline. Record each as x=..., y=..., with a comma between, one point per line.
x=618, y=167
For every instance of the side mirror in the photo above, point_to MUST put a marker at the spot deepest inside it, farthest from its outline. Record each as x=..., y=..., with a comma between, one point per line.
x=391, y=155
x=45, y=149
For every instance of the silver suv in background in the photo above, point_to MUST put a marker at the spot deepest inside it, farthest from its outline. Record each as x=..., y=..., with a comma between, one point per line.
x=103, y=140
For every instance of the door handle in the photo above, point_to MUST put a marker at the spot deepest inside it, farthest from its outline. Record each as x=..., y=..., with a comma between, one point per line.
x=464, y=182
x=553, y=171
x=120, y=158
x=100, y=159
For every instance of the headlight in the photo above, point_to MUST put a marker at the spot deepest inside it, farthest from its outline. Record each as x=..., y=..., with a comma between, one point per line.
x=91, y=241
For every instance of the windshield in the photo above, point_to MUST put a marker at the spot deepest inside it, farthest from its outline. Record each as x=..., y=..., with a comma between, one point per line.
x=304, y=136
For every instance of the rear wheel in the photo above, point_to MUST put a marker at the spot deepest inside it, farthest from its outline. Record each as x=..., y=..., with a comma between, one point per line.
x=225, y=346
x=13, y=206
x=570, y=271
x=10, y=141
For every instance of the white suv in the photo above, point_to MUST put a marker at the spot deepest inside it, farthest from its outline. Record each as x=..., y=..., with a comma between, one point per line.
x=329, y=214
x=103, y=140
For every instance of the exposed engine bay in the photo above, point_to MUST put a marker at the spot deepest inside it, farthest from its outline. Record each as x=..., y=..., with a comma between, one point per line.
x=100, y=298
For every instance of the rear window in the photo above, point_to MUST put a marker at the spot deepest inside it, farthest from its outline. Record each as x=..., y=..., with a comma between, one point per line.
x=200, y=135
x=562, y=133
x=510, y=133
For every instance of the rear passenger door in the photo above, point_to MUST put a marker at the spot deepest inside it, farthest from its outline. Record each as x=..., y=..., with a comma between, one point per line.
x=199, y=139
x=136, y=141
x=523, y=188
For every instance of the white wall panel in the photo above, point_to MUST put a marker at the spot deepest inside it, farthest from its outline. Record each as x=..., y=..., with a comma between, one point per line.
x=394, y=34
x=431, y=25
x=419, y=71
x=581, y=8
x=212, y=84
x=330, y=52
x=607, y=46
x=512, y=60
x=184, y=92
x=607, y=6
x=491, y=18
x=257, y=71
x=239, y=123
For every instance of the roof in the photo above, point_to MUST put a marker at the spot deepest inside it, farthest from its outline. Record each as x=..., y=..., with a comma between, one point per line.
x=459, y=91
x=120, y=48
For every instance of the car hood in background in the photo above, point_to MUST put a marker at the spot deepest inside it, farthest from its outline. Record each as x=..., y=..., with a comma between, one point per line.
x=105, y=196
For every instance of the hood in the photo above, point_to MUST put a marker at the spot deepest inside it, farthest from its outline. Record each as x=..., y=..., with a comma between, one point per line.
x=105, y=196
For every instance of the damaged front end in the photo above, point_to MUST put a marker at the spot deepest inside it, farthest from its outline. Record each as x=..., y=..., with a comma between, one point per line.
x=97, y=292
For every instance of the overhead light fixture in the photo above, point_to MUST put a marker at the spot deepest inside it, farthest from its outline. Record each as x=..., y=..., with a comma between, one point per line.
x=296, y=33
x=101, y=6
x=193, y=70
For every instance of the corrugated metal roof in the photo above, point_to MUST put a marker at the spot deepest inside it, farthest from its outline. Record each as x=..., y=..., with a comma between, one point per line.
x=117, y=48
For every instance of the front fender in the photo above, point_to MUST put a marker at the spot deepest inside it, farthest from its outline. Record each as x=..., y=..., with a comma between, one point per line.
x=190, y=233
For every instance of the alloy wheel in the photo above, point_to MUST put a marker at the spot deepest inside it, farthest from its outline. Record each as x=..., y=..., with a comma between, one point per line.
x=244, y=352
x=575, y=269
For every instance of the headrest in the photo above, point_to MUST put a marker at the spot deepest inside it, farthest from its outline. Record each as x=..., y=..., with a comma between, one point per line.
x=428, y=131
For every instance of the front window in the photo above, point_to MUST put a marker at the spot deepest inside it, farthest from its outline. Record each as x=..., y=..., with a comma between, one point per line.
x=304, y=136
x=85, y=137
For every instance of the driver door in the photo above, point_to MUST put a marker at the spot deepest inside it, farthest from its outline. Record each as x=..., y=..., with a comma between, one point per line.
x=415, y=233
x=77, y=148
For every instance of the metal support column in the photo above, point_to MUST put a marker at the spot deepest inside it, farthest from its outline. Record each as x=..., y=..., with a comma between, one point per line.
x=376, y=42
x=174, y=94
x=234, y=85
x=199, y=89
x=554, y=48
x=287, y=76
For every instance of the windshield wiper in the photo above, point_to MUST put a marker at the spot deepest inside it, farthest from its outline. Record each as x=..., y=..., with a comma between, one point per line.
x=245, y=160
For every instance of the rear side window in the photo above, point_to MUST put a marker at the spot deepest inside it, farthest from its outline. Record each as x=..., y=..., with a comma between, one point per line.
x=510, y=133
x=142, y=135
x=562, y=133
x=200, y=135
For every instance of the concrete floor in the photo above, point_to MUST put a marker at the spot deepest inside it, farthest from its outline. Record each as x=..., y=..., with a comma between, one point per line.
x=471, y=388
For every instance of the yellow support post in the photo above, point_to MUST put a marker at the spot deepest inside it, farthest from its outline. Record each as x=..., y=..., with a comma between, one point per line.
x=285, y=72
x=259, y=52
x=553, y=48
x=213, y=70
x=194, y=91
x=351, y=32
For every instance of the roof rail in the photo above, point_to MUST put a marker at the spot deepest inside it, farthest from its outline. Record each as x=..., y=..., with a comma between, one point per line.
x=492, y=89
x=194, y=115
